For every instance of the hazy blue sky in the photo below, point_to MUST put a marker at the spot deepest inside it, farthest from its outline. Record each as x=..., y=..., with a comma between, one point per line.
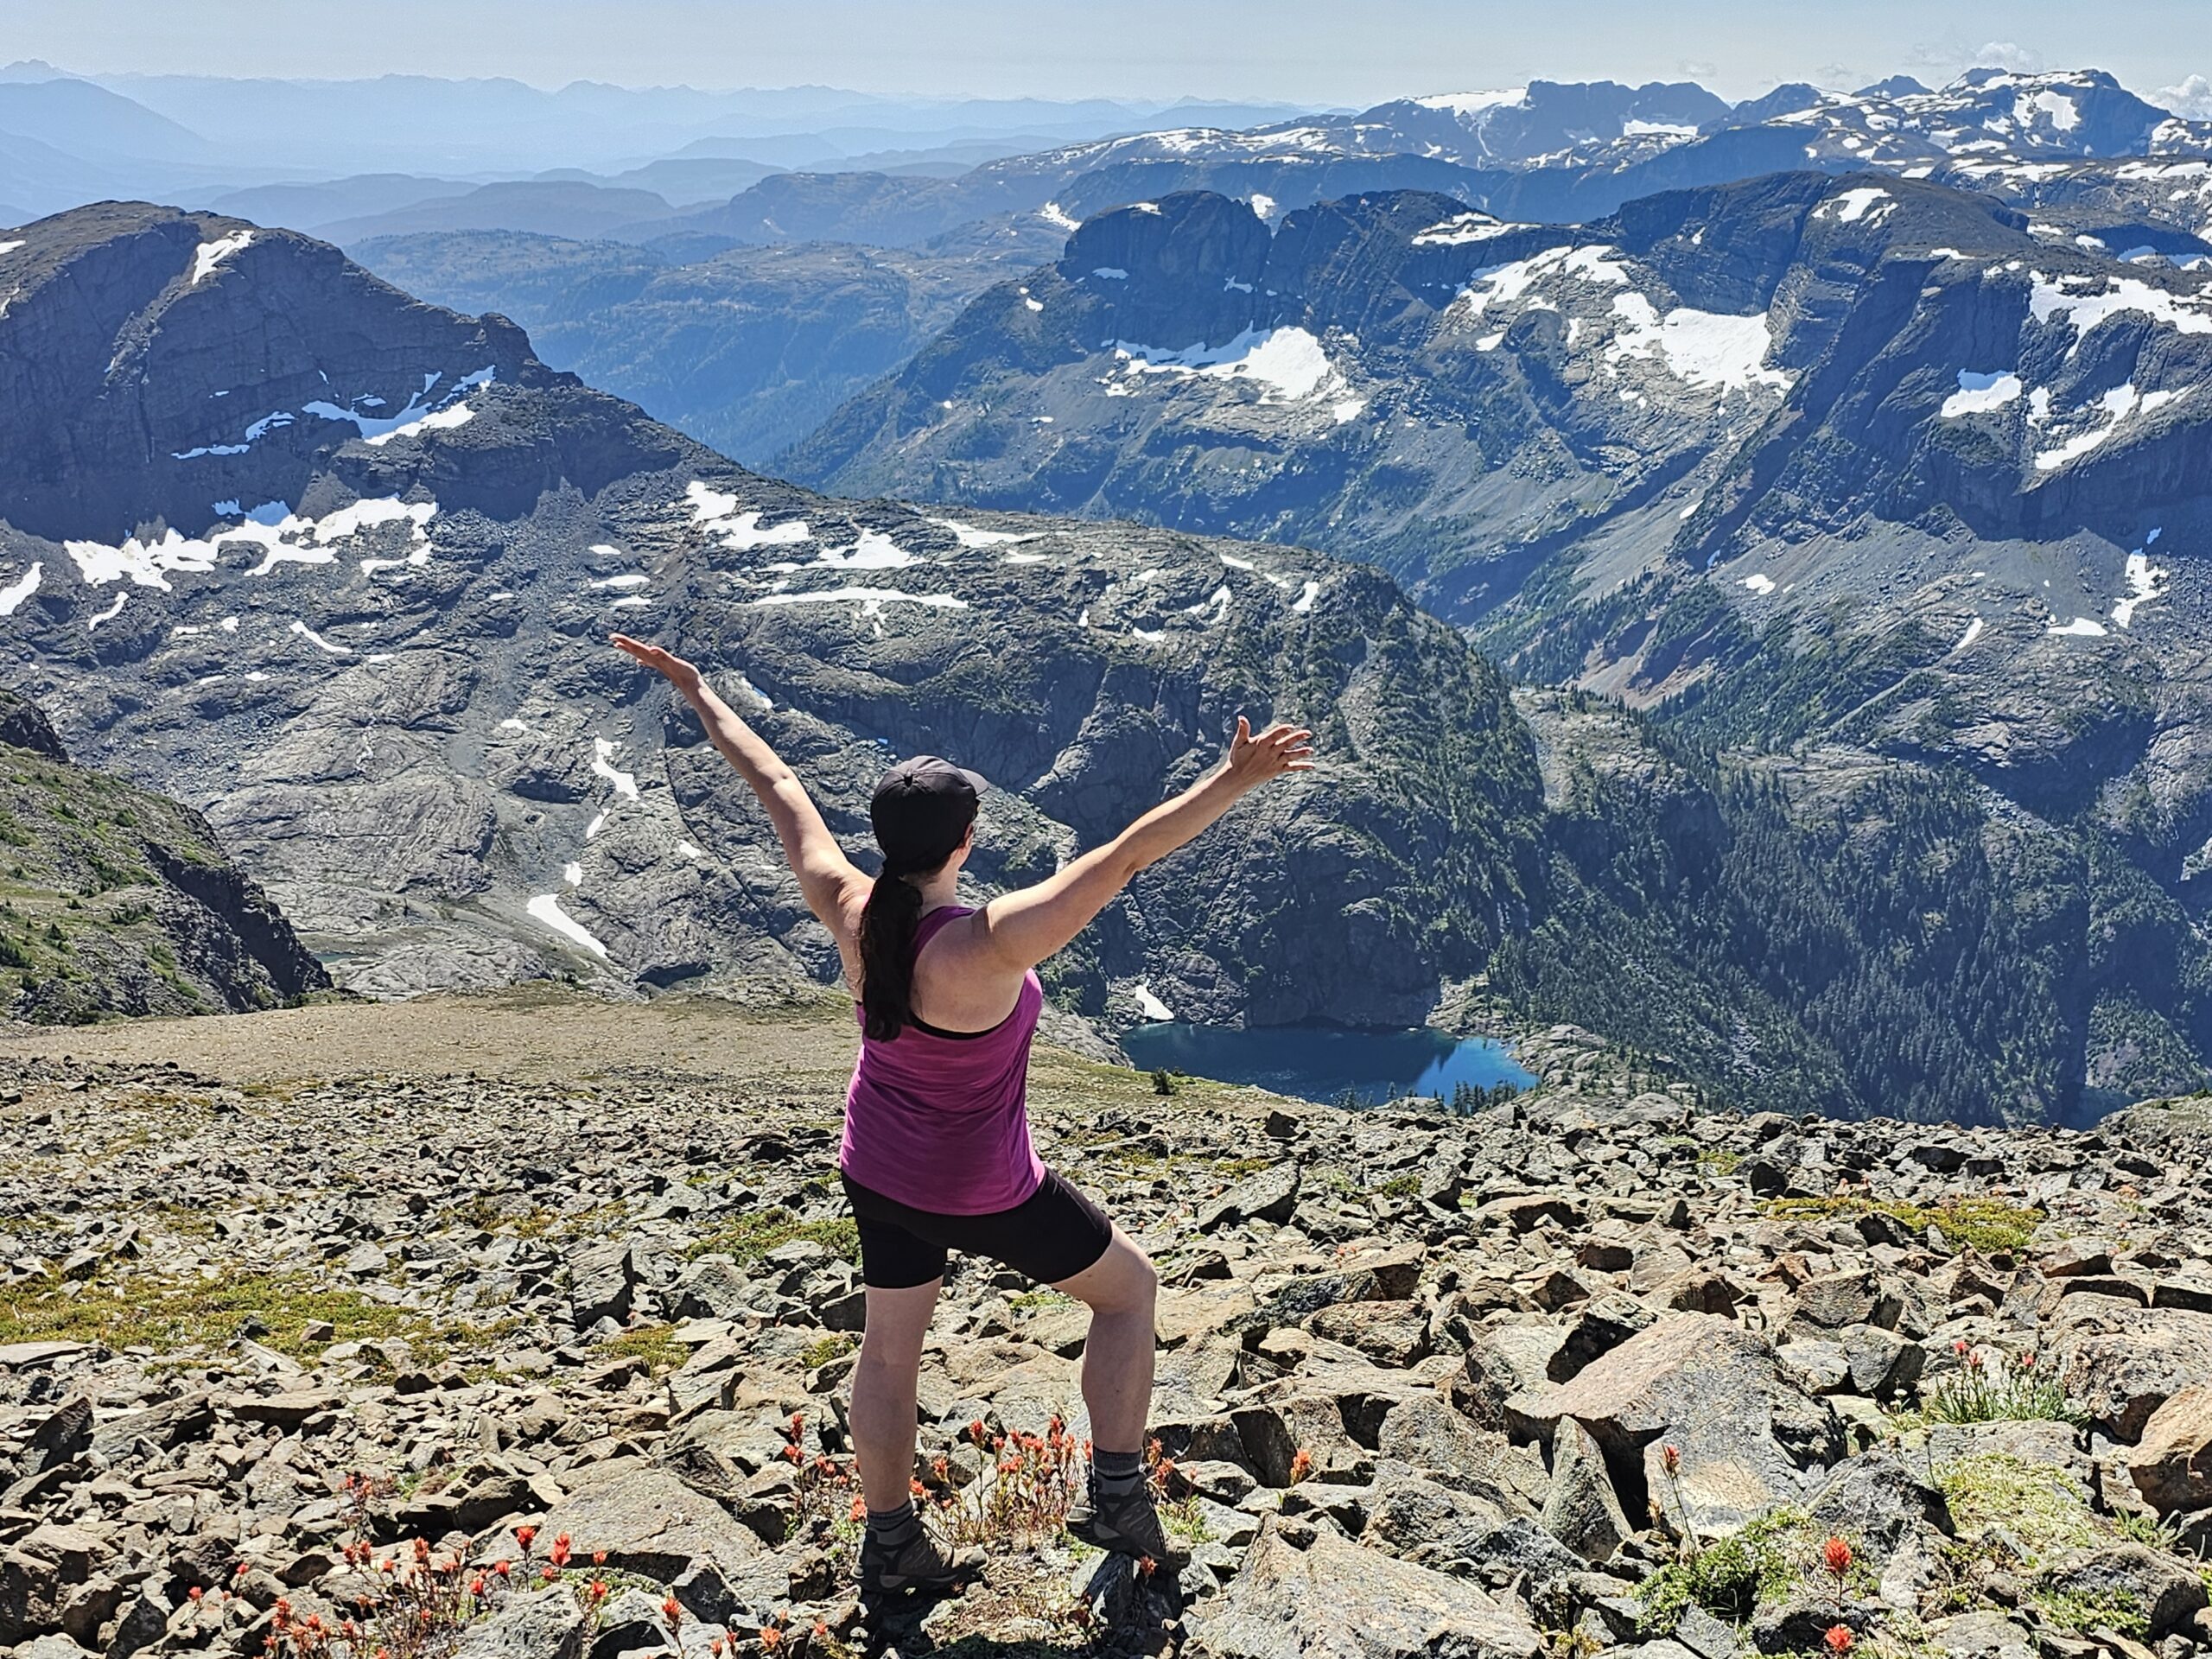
x=1312, y=51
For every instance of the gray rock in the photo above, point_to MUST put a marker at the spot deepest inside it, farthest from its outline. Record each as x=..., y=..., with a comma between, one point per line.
x=603, y=1278
x=1701, y=1385
x=1983, y=1633
x=542, y=1624
x=2171, y=1466
x=1270, y=1195
x=651, y=1524
x=1335, y=1599
x=1583, y=1511
x=1879, y=1500
x=630, y=1622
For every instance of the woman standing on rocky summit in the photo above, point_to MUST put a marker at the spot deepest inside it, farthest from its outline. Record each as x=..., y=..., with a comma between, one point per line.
x=937, y=1154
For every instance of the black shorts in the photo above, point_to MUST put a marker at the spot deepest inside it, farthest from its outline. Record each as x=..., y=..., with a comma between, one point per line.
x=1053, y=1234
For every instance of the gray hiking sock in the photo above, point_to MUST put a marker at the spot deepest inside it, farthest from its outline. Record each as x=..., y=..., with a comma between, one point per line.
x=1115, y=1474
x=894, y=1529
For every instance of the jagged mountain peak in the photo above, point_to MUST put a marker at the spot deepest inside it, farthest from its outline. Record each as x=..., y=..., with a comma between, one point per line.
x=206, y=359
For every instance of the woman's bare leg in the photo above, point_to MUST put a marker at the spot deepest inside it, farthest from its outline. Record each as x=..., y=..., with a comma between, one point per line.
x=884, y=1382
x=1123, y=1292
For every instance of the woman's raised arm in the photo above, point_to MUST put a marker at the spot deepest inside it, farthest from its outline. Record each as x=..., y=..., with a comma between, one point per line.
x=1017, y=930
x=832, y=885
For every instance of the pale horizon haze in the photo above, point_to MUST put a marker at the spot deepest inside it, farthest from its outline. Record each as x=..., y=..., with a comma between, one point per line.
x=1315, y=53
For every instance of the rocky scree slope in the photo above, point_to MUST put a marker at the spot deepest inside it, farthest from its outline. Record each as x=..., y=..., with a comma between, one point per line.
x=114, y=900
x=1590, y=1372
x=338, y=567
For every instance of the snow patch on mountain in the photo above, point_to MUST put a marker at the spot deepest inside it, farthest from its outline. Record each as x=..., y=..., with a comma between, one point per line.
x=2146, y=582
x=1708, y=349
x=1980, y=393
x=968, y=536
x=1464, y=228
x=2048, y=298
x=1289, y=363
x=888, y=595
x=212, y=254
x=1503, y=284
x=21, y=588
x=1467, y=103
x=546, y=908
x=317, y=640
x=716, y=511
x=2117, y=406
x=1854, y=204
x=602, y=765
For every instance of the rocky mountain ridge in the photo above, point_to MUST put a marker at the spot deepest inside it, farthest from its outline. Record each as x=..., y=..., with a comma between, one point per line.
x=1592, y=1367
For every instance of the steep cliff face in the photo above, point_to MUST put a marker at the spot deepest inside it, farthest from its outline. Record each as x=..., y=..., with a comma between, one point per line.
x=371, y=643
x=118, y=900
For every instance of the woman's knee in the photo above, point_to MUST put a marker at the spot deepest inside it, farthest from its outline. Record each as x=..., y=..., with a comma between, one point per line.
x=1123, y=1281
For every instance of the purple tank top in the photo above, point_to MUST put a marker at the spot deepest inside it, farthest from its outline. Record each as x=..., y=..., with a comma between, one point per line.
x=939, y=1121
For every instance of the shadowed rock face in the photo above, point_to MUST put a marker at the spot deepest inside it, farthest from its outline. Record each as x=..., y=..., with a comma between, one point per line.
x=369, y=639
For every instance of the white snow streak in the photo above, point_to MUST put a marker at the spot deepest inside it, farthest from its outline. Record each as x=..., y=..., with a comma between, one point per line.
x=624, y=784
x=888, y=595
x=1980, y=393
x=317, y=640
x=13, y=595
x=212, y=254
x=546, y=908
x=968, y=536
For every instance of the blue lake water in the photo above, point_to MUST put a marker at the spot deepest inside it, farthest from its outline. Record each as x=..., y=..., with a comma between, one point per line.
x=1321, y=1062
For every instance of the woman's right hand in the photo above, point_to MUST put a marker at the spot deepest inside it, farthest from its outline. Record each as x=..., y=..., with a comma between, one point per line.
x=1253, y=760
x=683, y=675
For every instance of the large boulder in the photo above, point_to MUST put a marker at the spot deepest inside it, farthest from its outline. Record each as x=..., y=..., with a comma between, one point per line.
x=2132, y=1577
x=1706, y=1389
x=2136, y=1361
x=1583, y=1511
x=2171, y=1464
x=1336, y=1600
x=653, y=1525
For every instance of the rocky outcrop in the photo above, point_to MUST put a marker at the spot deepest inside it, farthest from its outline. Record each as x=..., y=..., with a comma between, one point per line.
x=123, y=901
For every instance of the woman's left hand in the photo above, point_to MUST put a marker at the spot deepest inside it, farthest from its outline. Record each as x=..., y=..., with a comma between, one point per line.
x=683, y=675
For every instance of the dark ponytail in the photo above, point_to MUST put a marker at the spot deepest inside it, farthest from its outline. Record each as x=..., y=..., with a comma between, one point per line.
x=889, y=922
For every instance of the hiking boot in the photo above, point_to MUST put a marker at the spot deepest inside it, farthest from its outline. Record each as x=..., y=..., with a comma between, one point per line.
x=920, y=1563
x=1124, y=1525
